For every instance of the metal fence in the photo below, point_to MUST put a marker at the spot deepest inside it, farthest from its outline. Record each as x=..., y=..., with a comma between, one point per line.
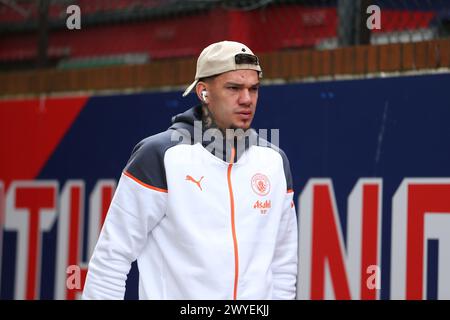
x=400, y=21
x=154, y=29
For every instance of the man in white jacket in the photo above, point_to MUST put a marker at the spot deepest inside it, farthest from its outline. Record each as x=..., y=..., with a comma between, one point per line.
x=205, y=218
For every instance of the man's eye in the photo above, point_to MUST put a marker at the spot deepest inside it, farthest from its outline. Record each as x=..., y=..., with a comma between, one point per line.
x=254, y=89
x=233, y=88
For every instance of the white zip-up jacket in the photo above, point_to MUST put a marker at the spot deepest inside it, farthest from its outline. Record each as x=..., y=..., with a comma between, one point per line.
x=200, y=226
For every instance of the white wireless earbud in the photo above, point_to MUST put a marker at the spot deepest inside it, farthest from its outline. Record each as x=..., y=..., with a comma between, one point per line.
x=204, y=95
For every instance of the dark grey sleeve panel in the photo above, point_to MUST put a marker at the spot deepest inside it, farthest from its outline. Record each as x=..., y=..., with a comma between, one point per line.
x=147, y=160
x=287, y=170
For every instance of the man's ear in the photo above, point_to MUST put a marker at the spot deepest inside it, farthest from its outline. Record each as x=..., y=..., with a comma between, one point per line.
x=201, y=91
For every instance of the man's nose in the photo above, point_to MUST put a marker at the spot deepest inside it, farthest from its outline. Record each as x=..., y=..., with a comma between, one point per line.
x=244, y=97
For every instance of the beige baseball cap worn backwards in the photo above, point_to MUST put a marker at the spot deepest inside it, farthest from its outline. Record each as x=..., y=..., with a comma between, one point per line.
x=222, y=57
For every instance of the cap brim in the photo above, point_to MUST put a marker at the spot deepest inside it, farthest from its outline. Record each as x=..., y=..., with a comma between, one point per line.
x=189, y=89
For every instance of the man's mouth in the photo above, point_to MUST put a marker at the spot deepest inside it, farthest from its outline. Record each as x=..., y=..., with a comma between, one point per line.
x=245, y=114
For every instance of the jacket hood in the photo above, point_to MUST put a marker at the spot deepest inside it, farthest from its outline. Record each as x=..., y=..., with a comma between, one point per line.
x=189, y=125
x=187, y=118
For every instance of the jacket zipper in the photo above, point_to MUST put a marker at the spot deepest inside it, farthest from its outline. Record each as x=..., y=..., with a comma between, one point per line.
x=233, y=228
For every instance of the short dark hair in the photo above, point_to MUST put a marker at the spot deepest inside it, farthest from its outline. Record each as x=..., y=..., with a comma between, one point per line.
x=208, y=79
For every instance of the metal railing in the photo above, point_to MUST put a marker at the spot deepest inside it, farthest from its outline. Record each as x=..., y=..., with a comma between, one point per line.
x=266, y=25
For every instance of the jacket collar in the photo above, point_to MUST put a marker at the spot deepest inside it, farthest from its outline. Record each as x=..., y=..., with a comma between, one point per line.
x=189, y=124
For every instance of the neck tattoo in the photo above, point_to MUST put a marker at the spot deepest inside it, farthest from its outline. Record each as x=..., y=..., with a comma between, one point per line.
x=208, y=120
